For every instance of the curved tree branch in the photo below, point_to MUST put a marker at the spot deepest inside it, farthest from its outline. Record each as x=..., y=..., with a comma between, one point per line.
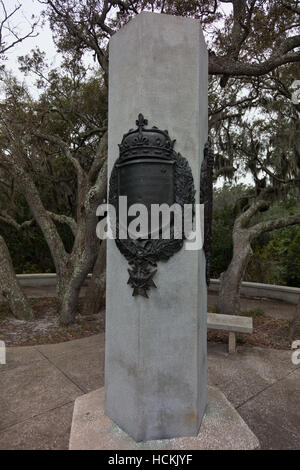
x=64, y=219
x=270, y=225
x=5, y=25
x=228, y=66
x=243, y=220
x=4, y=217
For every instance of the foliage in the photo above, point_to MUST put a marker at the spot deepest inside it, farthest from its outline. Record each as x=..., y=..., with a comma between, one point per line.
x=53, y=156
x=276, y=255
x=53, y=148
x=10, y=34
x=29, y=250
x=225, y=204
x=256, y=312
x=232, y=29
x=276, y=259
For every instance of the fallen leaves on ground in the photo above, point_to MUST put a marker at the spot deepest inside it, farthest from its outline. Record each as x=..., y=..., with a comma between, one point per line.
x=45, y=327
x=269, y=332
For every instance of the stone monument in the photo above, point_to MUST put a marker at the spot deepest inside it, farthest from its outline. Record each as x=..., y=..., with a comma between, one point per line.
x=155, y=366
x=156, y=300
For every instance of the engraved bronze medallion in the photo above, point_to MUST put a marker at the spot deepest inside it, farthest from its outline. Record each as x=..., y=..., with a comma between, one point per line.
x=149, y=171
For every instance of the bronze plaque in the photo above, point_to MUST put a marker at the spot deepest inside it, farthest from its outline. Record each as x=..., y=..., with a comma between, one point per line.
x=149, y=171
x=147, y=182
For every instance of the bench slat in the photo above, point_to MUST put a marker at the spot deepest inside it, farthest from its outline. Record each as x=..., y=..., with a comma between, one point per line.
x=217, y=321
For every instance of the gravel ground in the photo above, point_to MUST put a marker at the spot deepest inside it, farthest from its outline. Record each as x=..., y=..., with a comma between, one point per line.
x=45, y=328
x=271, y=324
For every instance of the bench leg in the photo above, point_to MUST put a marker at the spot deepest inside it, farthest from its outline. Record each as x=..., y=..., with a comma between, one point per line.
x=231, y=342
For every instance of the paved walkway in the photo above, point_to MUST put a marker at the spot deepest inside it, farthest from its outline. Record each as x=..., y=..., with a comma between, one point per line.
x=38, y=386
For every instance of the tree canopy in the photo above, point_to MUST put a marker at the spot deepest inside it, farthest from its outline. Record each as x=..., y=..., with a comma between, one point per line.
x=53, y=144
x=246, y=38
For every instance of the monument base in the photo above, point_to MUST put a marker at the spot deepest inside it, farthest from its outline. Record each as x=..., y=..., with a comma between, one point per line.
x=222, y=428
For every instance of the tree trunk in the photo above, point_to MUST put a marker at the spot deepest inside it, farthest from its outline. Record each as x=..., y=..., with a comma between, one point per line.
x=230, y=280
x=68, y=290
x=243, y=235
x=69, y=283
x=10, y=288
x=72, y=276
x=95, y=294
x=68, y=298
x=86, y=244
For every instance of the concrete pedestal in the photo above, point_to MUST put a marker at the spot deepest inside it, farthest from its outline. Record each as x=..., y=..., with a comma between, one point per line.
x=155, y=364
x=222, y=428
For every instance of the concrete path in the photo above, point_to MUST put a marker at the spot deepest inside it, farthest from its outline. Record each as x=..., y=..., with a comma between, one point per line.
x=38, y=386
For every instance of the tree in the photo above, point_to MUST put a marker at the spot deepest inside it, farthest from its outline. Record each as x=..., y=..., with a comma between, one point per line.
x=235, y=54
x=268, y=149
x=60, y=135
x=95, y=294
x=276, y=256
x=243, y=235
x=232, y=33
x=224, y=202
x=9, y=286
x=56, y=137
x=9, y=34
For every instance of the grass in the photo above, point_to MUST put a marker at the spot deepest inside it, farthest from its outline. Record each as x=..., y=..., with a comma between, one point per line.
x=213, y=309
x=256, y=312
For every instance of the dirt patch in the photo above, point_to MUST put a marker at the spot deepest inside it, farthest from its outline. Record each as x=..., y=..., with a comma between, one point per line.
x=269, y=332
x=269, y=307
x=45, y=327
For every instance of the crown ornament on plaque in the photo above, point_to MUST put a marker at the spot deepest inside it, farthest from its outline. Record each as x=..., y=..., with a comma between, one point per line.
x=143, y=142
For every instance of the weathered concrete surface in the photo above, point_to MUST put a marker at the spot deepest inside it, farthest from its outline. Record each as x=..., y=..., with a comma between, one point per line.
x=248, y=373
x=21, y=356
x=263, y=385
x=31, y=389
x=156, y=347
x=218, y=321
x=222, y=428
x=286, y=294
x=38, y=386
x=70, y=359
x=46, y=431
x=278, y=424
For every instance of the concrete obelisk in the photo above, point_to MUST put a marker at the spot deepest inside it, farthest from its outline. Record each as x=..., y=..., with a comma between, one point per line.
x=155, y=365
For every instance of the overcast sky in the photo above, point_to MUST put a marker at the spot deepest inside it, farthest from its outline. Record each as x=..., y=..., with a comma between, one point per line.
x=44, y=41
x=21, y=20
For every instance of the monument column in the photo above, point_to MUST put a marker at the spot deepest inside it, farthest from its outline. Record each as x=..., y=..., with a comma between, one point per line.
x=155, y=365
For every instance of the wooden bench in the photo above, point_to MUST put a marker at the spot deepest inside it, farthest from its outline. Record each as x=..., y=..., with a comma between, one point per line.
x=232, y=323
